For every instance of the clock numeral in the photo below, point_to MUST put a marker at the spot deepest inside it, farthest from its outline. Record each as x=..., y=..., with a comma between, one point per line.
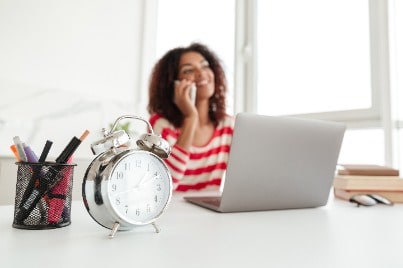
x=126, y=209
x=119, y=175
x=159, y=188
x=138, y=212
x=114, y=187
x=156, y=198
x=117, y=201
x=127, y=166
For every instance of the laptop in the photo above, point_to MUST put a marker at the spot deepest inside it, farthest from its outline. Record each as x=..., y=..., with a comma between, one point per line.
x=277, y=163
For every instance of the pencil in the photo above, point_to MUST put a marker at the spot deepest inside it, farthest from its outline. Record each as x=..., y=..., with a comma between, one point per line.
x=84, y=135
x=71, y=148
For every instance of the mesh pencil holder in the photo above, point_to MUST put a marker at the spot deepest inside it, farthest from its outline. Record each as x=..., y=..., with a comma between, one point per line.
x=43, y=195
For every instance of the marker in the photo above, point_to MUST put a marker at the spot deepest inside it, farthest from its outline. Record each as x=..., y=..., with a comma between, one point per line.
x=20, y=148
x=31, y=156
x=14, y=150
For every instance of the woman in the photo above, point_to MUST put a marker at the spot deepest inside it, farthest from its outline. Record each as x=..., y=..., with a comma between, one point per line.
x=199, y=132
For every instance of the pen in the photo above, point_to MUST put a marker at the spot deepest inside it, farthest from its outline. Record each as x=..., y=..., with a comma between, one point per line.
x=45, y=151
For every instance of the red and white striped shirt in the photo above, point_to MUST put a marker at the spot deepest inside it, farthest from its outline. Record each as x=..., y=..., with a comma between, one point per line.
x=199, y=167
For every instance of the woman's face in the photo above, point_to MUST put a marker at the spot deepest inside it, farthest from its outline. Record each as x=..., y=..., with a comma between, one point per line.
x=195, y=68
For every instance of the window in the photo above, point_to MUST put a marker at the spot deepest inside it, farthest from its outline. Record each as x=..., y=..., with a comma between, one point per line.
x=323, y=59
x=313, y=56
x=327, y=59
x=363, y=146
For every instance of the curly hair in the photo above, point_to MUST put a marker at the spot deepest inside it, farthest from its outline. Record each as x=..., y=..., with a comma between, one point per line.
x=162, y=82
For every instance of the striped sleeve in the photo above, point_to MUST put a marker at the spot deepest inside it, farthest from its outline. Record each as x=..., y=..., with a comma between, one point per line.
x=200, y=167
x=179, y=157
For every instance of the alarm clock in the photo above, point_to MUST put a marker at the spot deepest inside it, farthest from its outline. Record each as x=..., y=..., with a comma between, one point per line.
x=126, y=186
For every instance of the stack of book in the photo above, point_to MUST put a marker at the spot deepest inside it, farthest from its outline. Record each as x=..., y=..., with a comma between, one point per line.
x=368, y=179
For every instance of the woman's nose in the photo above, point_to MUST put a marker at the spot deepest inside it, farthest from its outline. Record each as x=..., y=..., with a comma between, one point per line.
x=198, y=73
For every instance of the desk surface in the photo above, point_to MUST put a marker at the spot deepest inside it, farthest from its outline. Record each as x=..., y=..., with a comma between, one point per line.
x=337, y=235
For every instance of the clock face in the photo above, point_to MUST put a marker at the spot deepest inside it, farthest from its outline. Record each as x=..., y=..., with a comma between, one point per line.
x=139, y=187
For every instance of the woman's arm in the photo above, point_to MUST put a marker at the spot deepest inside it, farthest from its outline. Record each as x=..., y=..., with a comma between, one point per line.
x=179, y=157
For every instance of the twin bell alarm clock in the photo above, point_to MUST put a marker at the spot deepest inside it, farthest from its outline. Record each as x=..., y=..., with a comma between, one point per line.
x=126, y=187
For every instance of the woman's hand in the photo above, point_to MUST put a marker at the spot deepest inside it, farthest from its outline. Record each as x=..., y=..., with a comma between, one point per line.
x=182, y=97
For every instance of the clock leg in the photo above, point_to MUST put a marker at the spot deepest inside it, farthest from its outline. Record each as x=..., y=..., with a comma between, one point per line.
x=114, y=230
x=157, y=229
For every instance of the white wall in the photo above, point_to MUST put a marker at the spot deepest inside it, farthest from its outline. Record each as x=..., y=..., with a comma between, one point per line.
x=66, y=66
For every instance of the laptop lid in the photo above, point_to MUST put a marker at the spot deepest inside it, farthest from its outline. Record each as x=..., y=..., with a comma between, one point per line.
x=280, y=163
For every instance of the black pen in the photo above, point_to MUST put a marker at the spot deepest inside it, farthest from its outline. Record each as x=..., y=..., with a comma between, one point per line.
x=45, y=151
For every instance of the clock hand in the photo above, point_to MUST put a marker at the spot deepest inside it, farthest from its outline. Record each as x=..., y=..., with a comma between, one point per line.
x=142, y=182
x=136, y=187
x=129, y=190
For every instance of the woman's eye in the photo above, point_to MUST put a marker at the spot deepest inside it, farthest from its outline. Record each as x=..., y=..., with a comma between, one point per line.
x=187, y=71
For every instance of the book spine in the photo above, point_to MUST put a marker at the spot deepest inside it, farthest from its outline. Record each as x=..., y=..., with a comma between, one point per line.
x=368, y=183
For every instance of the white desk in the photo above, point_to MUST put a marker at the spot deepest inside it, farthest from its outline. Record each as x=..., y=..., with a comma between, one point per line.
x=338, y=235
